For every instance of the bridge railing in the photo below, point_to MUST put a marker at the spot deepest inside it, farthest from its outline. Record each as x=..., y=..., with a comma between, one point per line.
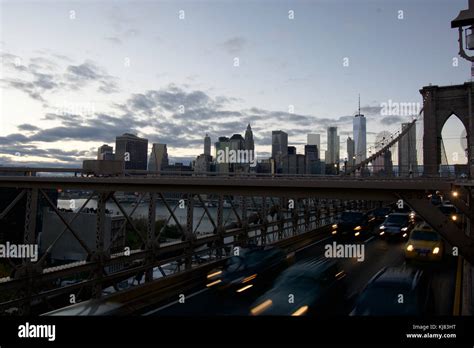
x=43, y=283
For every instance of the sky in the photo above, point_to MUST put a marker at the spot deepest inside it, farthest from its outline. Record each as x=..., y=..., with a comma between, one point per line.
x=75, y=74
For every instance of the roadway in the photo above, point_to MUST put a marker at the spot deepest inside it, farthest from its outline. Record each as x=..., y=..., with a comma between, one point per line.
x=378, y=254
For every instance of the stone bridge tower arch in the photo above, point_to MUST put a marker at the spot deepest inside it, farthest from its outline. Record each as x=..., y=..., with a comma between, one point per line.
x=439, y=103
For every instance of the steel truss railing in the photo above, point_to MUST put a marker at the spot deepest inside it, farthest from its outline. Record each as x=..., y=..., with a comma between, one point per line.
x=34, y=283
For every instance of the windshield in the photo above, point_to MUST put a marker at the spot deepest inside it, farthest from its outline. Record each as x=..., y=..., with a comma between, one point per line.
x=381, y=211
x=397, y=219
x=448, y=210
x=233, y=264
x=425, y=235
x=351, y=216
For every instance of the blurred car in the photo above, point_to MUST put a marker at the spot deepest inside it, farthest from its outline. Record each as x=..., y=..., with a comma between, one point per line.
x=314, y=287
x=396, y=226
x=424, y=244
x=251, y=268
x=378, y=215
x=436, y=198
x=451, y=212
x=396, y=291
x=353, y=224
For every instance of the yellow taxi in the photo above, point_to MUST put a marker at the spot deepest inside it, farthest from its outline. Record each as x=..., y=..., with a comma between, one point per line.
x=424, y=243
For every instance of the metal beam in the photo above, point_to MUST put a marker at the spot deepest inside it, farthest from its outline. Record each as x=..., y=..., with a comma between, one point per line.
x=443, y=225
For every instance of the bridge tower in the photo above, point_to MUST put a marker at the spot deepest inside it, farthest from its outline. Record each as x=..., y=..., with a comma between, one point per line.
x=439, y=104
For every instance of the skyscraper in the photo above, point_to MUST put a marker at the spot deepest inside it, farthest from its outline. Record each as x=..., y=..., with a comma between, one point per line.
x=158, y=157
x=105, y=152
x=350, y=152
x=207, y=145
x=249, y=144
x=291, y=161
x=311, y=154
x=407, y=156
x=332, y=153
x=360, y=136
x=279, y=149
x=236, y=142
x=133, y=150
x=222, y=144
x=315, y=139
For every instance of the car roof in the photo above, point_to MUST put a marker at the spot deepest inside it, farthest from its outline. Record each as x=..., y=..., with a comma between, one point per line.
x=424, y=227
x=398, y=214
x=398, y=275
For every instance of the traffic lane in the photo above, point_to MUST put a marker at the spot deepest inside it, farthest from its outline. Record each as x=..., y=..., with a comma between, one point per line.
x=212, y=302
x=378, y=255
x=209, y=302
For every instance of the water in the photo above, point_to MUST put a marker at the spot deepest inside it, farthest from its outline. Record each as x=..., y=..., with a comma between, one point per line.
x=161, y=212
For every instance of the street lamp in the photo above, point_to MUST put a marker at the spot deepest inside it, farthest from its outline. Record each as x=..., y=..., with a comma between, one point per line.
x=465, y=19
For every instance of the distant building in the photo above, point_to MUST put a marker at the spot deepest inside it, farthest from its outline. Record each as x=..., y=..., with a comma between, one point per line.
x=179, y=169
x=105, y=152
x=311, y=153
x=202, y=164
x=265, y=166
x=207, y=145
x=290, y=163
x=279, y=149
x=223, y=144
x=158, y=157
x=249, y=143
x=332, y=153
x=236, y=142
x=133, y=150
x=315, y=139
x=360, y=137
x=383, y=165
x=300, y=164
x=407, y=155
x=350, y=153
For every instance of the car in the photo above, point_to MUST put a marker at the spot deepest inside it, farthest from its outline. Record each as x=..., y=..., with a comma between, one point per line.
x=251, y=268
x=353, y=224
x=436, y=198
x=396, y=291
x=424, y=244
x=397, y=226
x=378, y=215
x=305, y=288
x=451, y=212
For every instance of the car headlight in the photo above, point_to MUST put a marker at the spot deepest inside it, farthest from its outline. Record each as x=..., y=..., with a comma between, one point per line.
x=410, y=247
x=436, y=250
x=334, y=226
x=382, y=233
x=358, y=228
x=404, y=229
x=356, y=234
x=382, y=227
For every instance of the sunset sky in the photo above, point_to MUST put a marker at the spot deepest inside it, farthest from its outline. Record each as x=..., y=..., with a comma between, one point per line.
x=75, y=74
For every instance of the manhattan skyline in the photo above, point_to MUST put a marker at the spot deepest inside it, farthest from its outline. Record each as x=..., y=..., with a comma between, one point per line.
x=84, y=73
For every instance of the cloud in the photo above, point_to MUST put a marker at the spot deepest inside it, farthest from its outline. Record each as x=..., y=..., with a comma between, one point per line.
x=370, y=110
x=114, y=40
x=157, y=116
x=27, y=127
x=42, y=76
x=233, y=45
x=389, y=120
